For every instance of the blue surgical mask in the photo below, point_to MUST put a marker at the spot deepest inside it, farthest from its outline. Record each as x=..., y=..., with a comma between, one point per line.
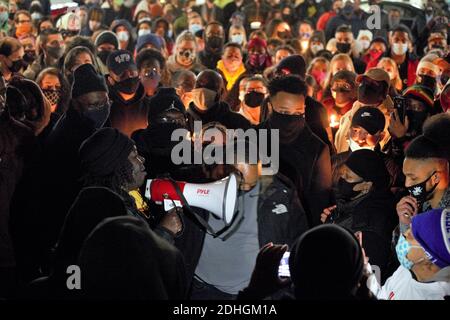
x=195, y=27
x=402, y=248
x=237, y=38
x=3, y=18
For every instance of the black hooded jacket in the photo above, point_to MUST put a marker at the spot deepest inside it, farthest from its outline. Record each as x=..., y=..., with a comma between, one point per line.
x=128, y=116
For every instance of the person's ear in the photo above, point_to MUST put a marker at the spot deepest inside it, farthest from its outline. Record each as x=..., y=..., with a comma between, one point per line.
x=436, y=178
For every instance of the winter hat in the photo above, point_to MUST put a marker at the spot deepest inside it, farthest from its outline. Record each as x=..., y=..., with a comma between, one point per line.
x=369, y=166
x=376, y=74
x=163, y=100
x=432, y=230
x=107, y=37
x=366, y=33
x=105, y=152
x=121, y=22
x=294, y=64
x=256, y=42
x=369, y=118
x=150, y=38
x=86, y=79
x=420, y=93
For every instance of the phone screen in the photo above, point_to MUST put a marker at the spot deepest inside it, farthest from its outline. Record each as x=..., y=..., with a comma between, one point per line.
x=400, y=105
x=283, y=269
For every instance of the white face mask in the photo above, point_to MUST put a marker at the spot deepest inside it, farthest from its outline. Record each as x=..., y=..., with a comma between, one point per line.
x=143, y=32
x=365, y=44
x=316, y=48
x=399, y=48
x=123, y=36
x=237, y=38
x=354, y=146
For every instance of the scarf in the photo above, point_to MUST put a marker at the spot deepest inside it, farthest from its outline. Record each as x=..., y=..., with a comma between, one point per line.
x=231, y=78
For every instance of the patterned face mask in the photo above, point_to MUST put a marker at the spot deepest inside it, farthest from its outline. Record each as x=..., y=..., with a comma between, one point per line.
x=402, y=249
x=52, y=95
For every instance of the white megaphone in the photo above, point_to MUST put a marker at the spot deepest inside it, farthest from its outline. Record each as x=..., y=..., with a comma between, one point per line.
x=217, y=197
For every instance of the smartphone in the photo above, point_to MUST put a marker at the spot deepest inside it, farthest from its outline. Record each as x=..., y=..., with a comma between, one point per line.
x=283, y=269
x=400, y=104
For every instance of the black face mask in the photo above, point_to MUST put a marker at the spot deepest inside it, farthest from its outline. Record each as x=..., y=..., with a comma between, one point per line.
x=284, y=34
x=29, y=57
x=428, y=81
x=345, y=190
x=416, y=120
x=343, y=47
x=370, y=95
x=127, y=86
x=103, y=55
x=290, y=126
x=55, y=52
x=214, y=43
x=419, y=191
x=16, y=66
x=98, y=116
x=254, y=99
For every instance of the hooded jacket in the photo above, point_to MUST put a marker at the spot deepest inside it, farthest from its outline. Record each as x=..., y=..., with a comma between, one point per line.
x=127, y=25
x=173, y=66
x=131, y=115
x=341, y=137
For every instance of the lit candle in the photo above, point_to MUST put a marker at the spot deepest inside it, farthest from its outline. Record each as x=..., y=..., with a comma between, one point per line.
x=333, y=121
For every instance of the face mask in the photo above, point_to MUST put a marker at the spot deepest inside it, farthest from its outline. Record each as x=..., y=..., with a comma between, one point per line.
x=127, y=86
x=151, y=82
x=343, y=47
x=355, y=146
x=55, y=52
x=305, y=35
x=29, y=56
x=284, y=34
x=144, y=32
x=94, y=25
x=290, y=126
x=257, y=60
x=254, y=99
x=16, y=66
x=53, y=96
x=402, y=249
x=370, y=95
x=3, y=18
x=214, y=43
x=393, y=21
x=319, y=76
x=194, y=28
x=419, y=191
x=316, y=48
x=203, y=98
x=237, y=38
x=36, y=16
x=399, y=48
x=98, y=116
x=23, y=30
x=123, y=36
x=345, y=190
x=365, y=44
x=416, y=120
x=428, y=81
x=103, y=55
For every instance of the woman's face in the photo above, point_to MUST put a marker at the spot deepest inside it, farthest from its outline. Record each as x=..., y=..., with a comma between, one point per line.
x=82, y=58
x=341, y=65
x=186, y=52
x=50, y=81
x=386, y=66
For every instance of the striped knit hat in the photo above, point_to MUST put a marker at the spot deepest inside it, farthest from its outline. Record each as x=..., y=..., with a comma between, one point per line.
x=420, y=93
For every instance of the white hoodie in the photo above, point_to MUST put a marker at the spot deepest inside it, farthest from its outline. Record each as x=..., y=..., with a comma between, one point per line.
x=402, y=286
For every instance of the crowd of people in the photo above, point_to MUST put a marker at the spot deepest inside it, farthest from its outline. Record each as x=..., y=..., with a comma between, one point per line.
x=90, y=99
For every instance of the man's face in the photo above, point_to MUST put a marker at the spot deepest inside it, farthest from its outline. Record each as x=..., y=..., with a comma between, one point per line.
x=28, y=44
x=91, y=101
x=23, y=19
x=257, y=86
x=214, y=30
x=364, y=138
x=288, y=103
x=232, y=58
x=129, y=73
x=417, y=171
x=186, y=53
x=55, y=41
x=344, y=37
x=106, y=47
x=45, y=25
x=400, y=37
x=138, y=169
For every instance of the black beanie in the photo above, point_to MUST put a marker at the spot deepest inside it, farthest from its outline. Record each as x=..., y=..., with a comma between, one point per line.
x=107, y=37
x=163, y=100
x=86, y=80
x=294, y=64
x=104, y=152
x=369, y=166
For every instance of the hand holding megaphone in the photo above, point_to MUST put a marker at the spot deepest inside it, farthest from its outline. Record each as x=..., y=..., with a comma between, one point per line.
x=219, y=197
